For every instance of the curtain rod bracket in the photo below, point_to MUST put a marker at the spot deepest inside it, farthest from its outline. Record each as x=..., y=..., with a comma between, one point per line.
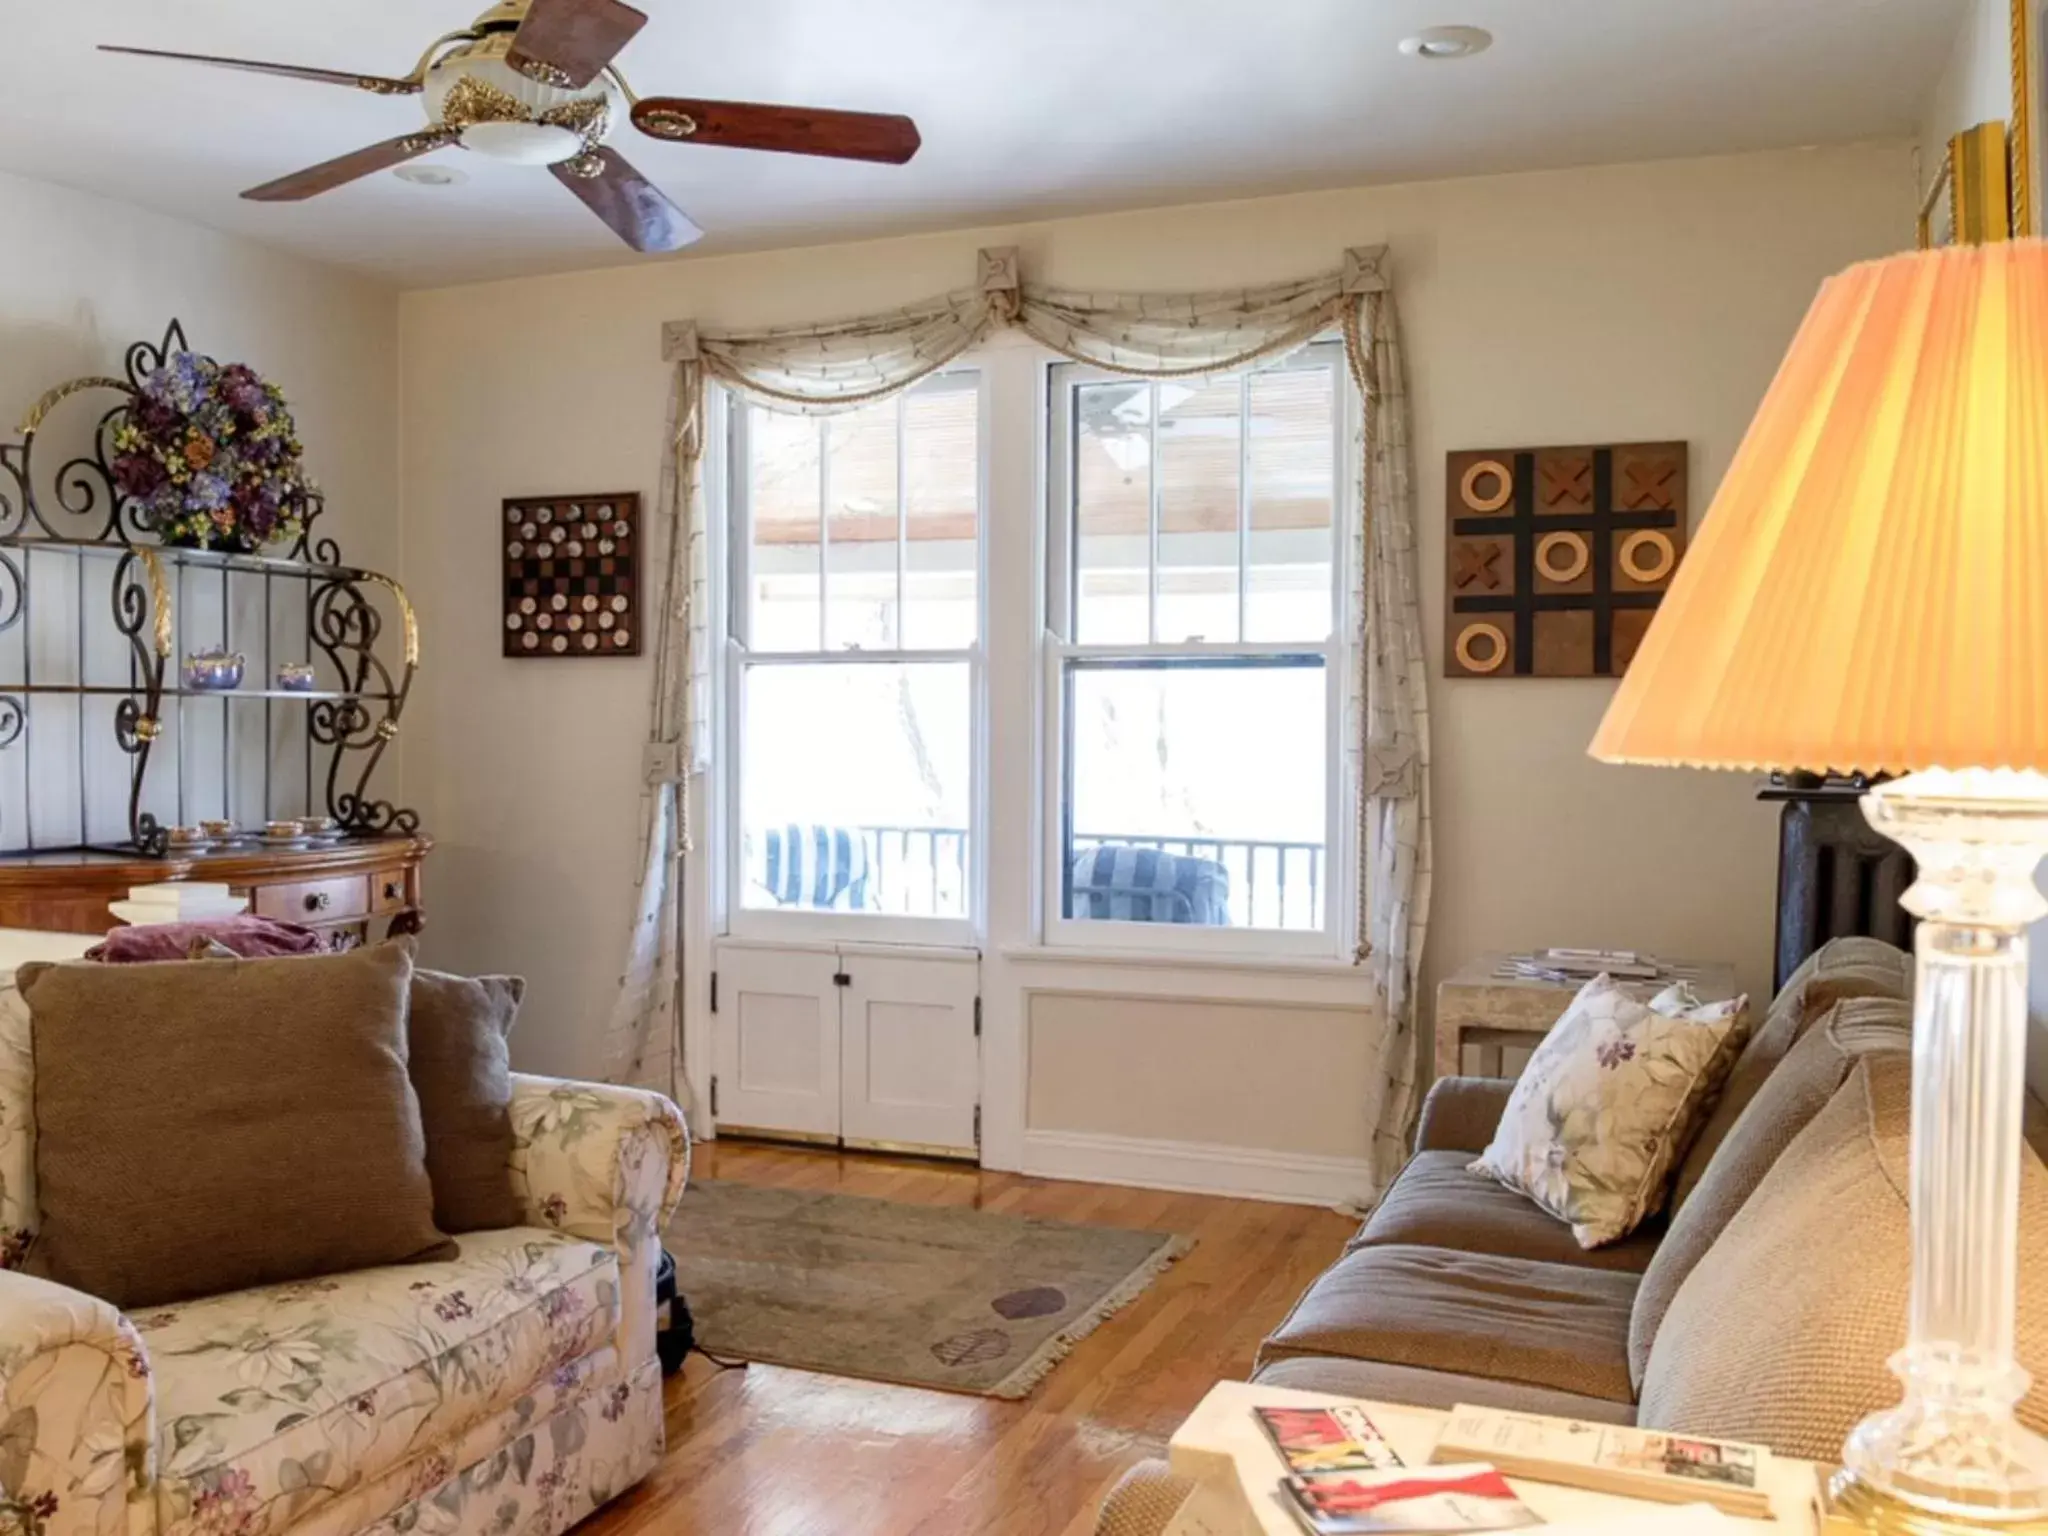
x=679, y=341
x=1365, y=269
x=997, y=269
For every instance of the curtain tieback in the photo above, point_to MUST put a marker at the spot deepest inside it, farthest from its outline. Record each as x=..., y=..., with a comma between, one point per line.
x=1391, y=773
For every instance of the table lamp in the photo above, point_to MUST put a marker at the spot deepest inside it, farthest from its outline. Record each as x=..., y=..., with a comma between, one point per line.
x=1868, y=594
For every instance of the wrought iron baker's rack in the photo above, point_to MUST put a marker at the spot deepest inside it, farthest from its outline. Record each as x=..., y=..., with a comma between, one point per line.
x=85, y=516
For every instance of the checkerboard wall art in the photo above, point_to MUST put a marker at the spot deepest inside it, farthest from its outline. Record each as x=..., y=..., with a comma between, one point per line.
x=572, y=575
x=1555, y=558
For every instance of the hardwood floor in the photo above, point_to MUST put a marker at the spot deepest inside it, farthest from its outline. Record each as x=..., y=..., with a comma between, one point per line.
x=774, y=1452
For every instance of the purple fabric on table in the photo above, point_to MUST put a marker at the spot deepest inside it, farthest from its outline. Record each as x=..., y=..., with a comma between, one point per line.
x=249, y=936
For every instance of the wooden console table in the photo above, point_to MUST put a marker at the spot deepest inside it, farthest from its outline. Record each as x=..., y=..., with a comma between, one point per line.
x=357, y=890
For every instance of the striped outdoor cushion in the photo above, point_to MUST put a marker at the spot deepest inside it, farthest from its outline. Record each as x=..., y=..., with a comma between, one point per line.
x=1143, y=885
x=816, y=867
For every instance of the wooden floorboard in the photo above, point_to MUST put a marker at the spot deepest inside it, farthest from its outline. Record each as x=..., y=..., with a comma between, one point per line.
x=775, y=1452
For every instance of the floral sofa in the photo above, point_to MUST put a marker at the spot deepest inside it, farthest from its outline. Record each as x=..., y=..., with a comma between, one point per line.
x=511, y=1390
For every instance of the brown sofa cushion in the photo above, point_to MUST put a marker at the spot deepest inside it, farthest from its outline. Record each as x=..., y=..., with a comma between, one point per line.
x=1460, y=1114
x=461, y=1069
x=1798, y=1090
x=1419, y=1388
x=1438, y=1202
x=211, y=1125
x=1840, y=968
x=1545, y=1325
x=1781, y=1332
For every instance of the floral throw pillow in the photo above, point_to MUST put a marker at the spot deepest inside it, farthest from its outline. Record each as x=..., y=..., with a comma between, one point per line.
x=1609, y=1102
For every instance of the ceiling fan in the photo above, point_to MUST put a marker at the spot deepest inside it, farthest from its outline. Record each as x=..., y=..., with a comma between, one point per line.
x=534, y=82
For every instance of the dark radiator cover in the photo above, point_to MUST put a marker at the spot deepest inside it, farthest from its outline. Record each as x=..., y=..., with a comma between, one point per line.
x=1835, y=875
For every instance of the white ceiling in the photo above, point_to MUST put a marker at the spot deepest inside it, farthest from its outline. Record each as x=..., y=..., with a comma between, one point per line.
x=1028, y=107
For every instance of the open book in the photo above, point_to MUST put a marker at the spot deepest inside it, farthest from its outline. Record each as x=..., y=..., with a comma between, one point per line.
x=1610, y=1458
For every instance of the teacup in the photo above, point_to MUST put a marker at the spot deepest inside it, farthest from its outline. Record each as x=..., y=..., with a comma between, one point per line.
x=185, y=837
x=222, y=830
x=319, y=826
x=281, y=829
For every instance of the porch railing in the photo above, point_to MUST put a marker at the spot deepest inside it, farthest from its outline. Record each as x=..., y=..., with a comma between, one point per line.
x=923, y=872
x=1272, y=884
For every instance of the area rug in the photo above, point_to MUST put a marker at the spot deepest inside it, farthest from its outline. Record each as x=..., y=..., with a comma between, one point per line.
x=929, y=1295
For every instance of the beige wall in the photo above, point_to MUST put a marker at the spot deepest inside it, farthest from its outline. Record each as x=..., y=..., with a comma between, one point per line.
x=81, y=277
x=1626, y=302
x=1091, y=1054
x=1976, y=85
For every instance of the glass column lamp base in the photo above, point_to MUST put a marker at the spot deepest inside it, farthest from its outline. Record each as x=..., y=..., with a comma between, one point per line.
x=1951, y=1457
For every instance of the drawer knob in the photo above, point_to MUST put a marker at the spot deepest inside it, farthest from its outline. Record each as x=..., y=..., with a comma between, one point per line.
x=319, y=901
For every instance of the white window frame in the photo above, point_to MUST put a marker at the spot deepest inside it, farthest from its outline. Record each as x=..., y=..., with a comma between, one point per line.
x=1332, y=938
x=796, y=926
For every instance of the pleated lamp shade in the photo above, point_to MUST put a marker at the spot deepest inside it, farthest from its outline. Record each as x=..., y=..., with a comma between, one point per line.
x=1869, y=590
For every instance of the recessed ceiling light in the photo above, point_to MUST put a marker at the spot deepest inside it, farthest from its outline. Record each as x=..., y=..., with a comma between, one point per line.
x=1447, y=43
x=430, y=175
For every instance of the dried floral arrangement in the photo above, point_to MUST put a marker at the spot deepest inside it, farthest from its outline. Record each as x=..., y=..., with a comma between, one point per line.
x=211, y=455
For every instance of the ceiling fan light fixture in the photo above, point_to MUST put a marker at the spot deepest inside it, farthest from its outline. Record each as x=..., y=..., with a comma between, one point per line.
x=1447, y=43
x=522, y=143
x=429, y=175
x=506, y=114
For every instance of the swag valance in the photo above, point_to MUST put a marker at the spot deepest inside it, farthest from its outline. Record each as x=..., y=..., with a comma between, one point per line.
x=842, y=365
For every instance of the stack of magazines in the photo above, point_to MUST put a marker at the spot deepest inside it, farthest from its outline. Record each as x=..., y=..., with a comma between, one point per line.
x=1585, y=964
x=1343, y=1479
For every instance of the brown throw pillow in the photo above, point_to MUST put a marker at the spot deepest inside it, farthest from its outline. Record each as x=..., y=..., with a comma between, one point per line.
x=211, y=1125
x=462, y=1071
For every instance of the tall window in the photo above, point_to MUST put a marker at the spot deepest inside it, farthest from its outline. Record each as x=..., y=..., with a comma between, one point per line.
x=856, y=656
x=1192, y=599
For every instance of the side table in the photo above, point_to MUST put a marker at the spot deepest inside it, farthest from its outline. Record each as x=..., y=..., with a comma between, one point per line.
x=1484, y=1004
x=1221, y=1447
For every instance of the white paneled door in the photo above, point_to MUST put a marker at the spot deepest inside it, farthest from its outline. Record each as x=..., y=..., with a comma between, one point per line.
x=776, y=1057
x=909, y=1056
x=872, y=1050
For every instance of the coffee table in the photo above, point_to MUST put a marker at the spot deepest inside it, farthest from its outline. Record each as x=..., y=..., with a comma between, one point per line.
x=1222, y=1447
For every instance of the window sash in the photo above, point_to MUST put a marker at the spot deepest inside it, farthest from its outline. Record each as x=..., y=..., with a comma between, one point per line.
x=1062, y=563
x=1062, y=654
x=740, y=544
x=798, y=925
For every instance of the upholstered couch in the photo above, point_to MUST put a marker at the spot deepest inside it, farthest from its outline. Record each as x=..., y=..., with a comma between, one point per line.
x=1761, y=1307
x=512, y=1389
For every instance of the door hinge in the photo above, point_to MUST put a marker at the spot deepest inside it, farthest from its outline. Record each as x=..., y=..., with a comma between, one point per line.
x=977, y=1127
x=977, y=1018
x=714, y=991
x=714, y=1097
x=841, y=979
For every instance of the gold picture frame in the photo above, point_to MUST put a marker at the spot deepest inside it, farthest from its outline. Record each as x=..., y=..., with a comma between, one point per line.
x=1977, y=175
x=2028, y=137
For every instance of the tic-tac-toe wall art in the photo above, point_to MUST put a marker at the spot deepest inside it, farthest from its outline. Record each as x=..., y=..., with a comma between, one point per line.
x=572, y=575
x=1557, y=557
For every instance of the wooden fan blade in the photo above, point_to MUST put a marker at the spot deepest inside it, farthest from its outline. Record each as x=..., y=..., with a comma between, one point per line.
x=638, y=212
x=567, y=42
x=330, y=174
x=882, y=136
x=380, y=85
